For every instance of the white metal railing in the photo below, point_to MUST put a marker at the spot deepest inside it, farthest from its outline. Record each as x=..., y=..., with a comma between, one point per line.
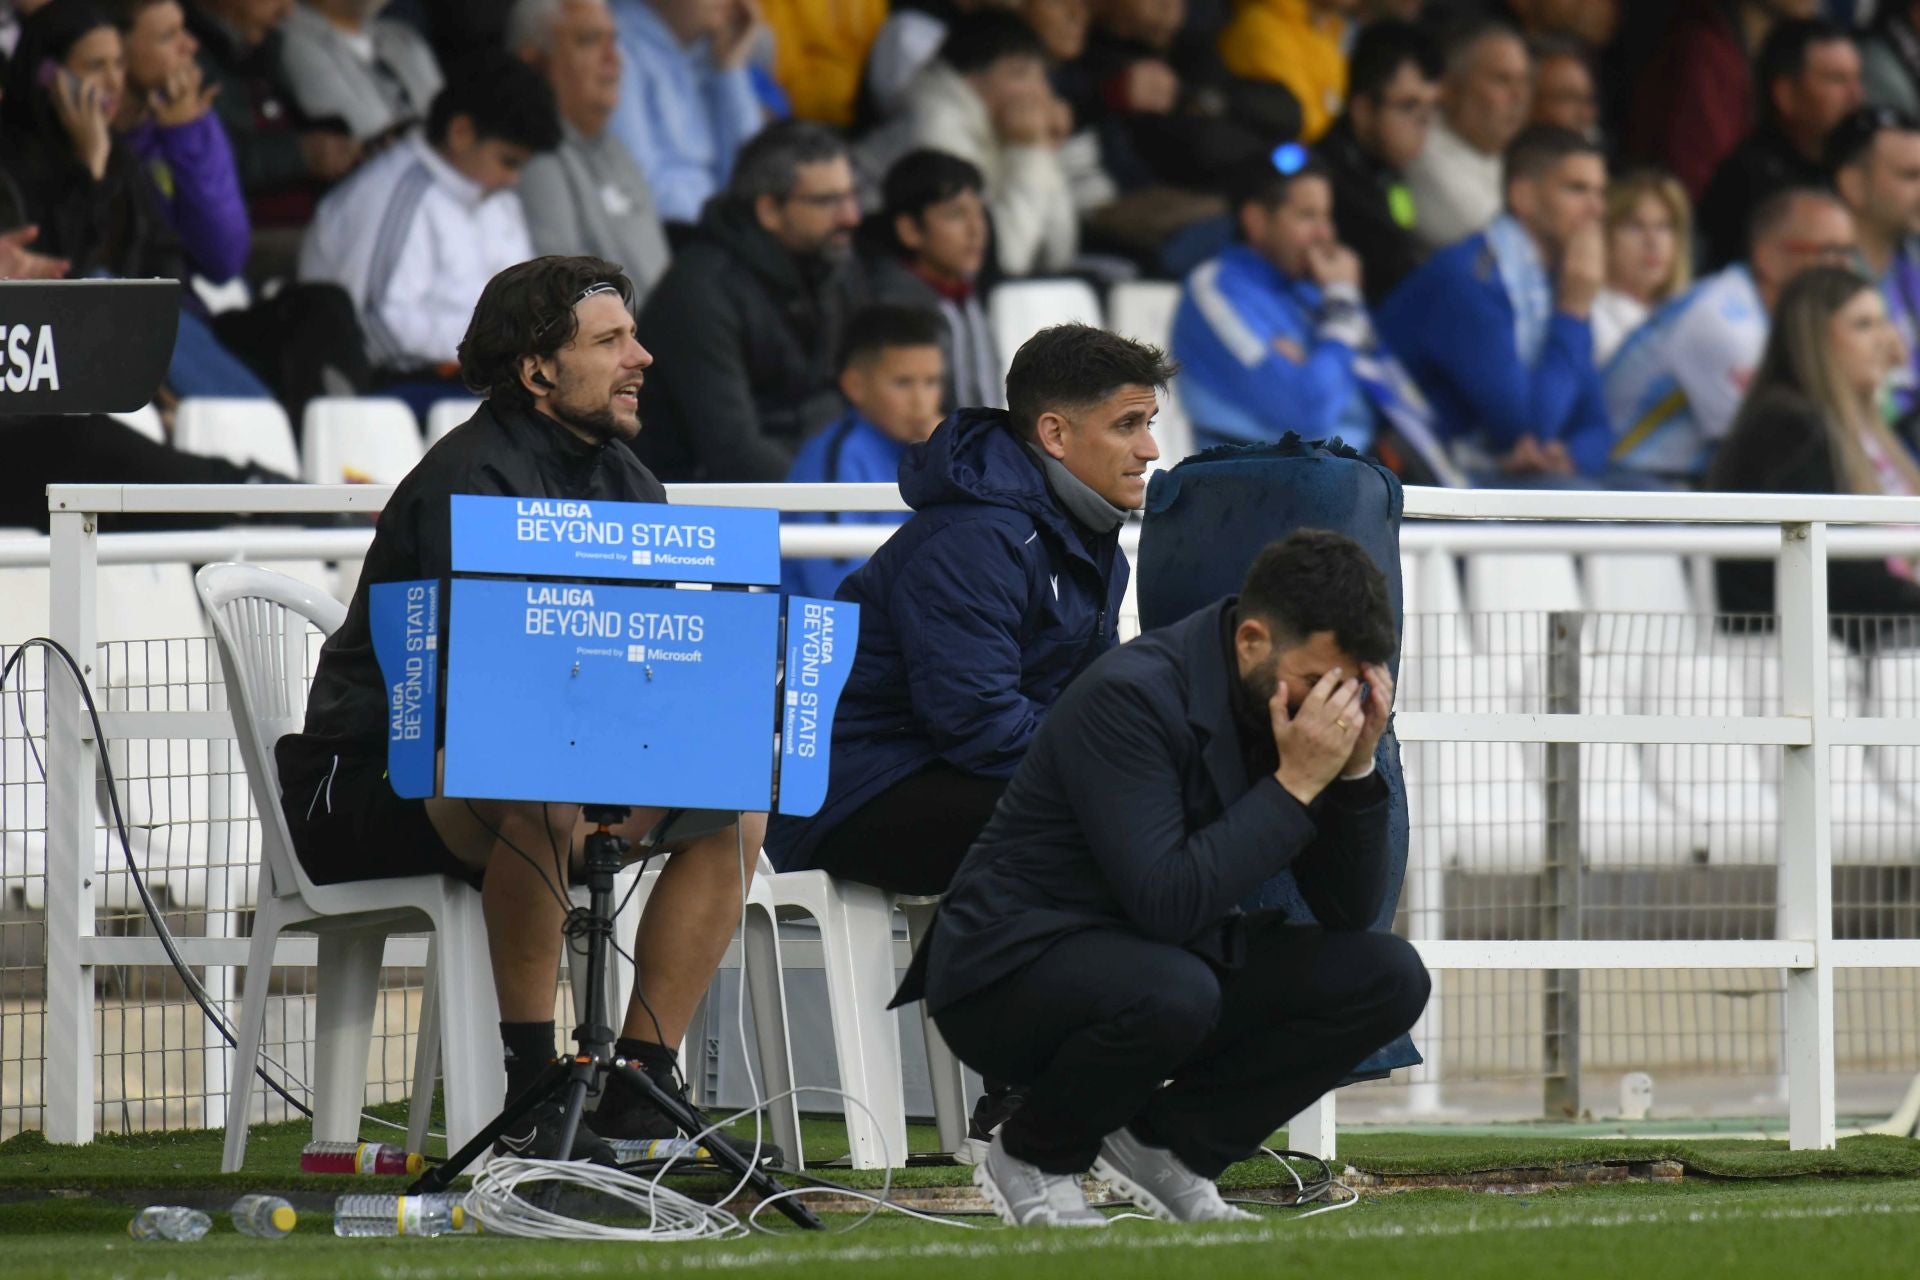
x=1793, y=529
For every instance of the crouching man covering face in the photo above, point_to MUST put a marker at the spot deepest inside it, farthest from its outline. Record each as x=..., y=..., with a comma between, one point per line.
x=1090, y=950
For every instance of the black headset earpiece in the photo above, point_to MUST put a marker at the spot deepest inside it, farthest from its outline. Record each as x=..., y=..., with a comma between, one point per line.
x=540, y=380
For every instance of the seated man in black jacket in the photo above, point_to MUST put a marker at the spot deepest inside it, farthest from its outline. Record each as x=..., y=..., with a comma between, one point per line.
x=1393, y=92
x=747, y=320
x=551, y=346
x=1090, y=948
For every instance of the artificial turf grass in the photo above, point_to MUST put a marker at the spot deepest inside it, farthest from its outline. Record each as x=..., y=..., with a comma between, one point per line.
x=1751, y=1230
x=190, y=1159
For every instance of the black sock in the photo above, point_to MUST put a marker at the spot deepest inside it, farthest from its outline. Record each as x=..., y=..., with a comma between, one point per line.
x=529, y=1047
x=650, y=1056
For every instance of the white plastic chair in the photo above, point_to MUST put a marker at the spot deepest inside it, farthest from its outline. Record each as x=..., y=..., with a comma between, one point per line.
x=445, y=415
x=1021, y=308
x=260, y=624
x=238, y=430
x=350, y=439
x=856, y=945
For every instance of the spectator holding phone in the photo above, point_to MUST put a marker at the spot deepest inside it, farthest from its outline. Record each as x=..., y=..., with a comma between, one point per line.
x=166, y=116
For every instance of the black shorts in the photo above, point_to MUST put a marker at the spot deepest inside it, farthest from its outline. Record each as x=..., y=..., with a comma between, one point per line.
x=347, y=824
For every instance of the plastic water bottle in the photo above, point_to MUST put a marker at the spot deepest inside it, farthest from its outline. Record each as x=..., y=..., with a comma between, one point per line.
x=169, y=1222
x=437, y=1215
x=634, y=1150
x=265, y=1217
x=364, y=1158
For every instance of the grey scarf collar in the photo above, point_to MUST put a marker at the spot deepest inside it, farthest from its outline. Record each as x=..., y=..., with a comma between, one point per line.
x=1082, y=503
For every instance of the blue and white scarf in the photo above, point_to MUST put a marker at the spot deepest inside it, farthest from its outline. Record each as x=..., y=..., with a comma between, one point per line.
x=1524, y=276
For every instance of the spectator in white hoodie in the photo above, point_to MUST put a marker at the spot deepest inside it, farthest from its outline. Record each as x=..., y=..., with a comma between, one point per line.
x=416, y=233
x=986, y=100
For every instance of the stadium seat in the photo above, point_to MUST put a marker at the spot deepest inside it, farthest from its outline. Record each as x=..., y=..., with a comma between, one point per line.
x=1143, y=310
x=260, y=622
x=241, y=431
x=445, y=416
x=355, y=440
x=1020, y=308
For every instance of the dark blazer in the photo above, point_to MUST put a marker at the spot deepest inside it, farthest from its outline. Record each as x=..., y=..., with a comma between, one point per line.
x=1133, y=811
x=1778, y=444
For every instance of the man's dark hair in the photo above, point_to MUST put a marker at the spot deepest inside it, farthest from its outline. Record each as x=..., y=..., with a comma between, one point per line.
x=921, y=179
x=1539, y=150
x=506, y=100
x=1266, y=184
x=1783, y=54
x=528, y=310
x=886, y=325
x=1772, y=213
x=1385, y=47
x=769, y=163
x=978, y=40
x=1071, y=366
x=1316, y=580
x=1853, y=137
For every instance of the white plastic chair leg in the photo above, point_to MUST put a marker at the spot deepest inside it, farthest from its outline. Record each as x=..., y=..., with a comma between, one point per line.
x=253, y=1019
x=1312, y=1131
x=426, y=1052
x=857, y=946
x=349, y=987
x=469, y=1013
x=945, y=1075
x=765, y=982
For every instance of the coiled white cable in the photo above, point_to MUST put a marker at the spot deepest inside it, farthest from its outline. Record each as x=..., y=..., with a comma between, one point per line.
x=497, y=1204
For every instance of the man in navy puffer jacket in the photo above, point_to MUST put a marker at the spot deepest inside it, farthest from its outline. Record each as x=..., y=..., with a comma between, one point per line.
x=1001, y=588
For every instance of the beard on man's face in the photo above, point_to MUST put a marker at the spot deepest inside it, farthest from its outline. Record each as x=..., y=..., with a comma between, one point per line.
x=589, y=413
x=1255, y=690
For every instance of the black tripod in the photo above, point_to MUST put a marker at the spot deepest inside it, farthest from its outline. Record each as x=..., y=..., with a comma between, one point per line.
x=576, y=1075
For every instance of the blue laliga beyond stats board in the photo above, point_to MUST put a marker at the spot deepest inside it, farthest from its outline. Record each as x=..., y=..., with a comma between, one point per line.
x=611, y=694
x=594, y=691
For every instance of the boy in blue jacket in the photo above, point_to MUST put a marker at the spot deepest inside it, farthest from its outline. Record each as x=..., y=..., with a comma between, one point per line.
x=892, y=372
x=1496, y=328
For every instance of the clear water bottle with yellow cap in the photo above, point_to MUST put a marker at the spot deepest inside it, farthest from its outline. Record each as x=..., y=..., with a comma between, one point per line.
x=263, y=1217
x=436, y=1215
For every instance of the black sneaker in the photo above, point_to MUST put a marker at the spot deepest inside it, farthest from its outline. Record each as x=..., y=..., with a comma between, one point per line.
x=627, y=1115
x=537, y=1137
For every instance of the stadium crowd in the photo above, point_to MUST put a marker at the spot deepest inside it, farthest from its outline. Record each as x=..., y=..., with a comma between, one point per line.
x=1512, y=242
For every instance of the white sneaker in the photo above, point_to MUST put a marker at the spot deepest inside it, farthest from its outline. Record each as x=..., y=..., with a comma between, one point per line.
x=1025, y=1196
x=1154, y=1179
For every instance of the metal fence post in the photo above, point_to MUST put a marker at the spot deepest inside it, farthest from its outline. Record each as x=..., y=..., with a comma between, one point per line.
x=1806, y=849
x=69, y=1064
x=1560, y=1023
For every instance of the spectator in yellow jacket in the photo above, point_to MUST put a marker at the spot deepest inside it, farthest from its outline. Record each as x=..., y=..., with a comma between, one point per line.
x=1299, y=43
x=820, y=53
